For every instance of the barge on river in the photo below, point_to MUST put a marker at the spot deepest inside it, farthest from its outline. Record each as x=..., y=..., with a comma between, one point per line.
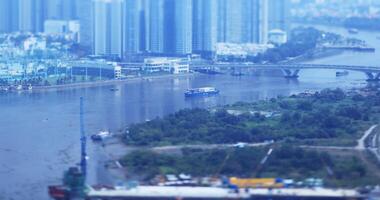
x=204, y=91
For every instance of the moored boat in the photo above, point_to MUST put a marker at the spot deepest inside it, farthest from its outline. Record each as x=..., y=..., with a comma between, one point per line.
x=101, y=136
x=353, y=31
x=343, y=73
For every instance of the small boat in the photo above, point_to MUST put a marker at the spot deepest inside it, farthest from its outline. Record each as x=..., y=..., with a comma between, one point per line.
x=101, y=136
x=237, y=74
x=114, y=89
x=343, y=73
x=353, y=31
x=204, y=91
x=30, y=87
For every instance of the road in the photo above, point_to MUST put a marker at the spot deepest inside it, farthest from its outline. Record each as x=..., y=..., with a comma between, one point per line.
x=361, y=146
x=361, y=142
x=209, y=146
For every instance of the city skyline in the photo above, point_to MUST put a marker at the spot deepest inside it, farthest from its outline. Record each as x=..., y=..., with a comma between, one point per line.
x=171, y=27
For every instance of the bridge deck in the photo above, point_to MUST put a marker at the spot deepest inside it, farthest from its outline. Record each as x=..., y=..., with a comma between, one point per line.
x=292, y=66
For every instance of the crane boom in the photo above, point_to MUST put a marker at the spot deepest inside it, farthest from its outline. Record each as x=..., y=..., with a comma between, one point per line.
x=83, y=163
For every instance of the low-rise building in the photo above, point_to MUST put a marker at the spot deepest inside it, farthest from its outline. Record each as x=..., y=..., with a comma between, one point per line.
x=226, y=51
x=277, y=36
x=166, y=64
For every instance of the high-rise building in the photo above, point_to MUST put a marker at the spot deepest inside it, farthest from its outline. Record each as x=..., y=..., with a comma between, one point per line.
x=62, y=9
x=32, y=14
x=251, y=24
x=8, y=16
x=108, y=31
x=85, y=12
x=169, y=26
x=154, y=26
x=205, y=26
x=183, y=27
x=279, y=14
x=242, y=21
x=133, y=27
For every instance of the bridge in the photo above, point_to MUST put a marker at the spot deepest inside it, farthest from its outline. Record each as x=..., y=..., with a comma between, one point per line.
x=292, y=70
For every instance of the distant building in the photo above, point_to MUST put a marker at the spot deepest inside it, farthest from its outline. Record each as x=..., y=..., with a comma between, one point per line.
x=205, y=27
x=279, y=15
x=154, y=26
x=31, y=15
x=177, y=27
x=133, y=27
x=242, y=21
x=227, y=51
x=183, y=27
x=165, y=64
x=277, y=36
x=86, y=20
x=34, y=43
x=108, y=31
x=9, y=16
x=69, y=28
x=62, y=9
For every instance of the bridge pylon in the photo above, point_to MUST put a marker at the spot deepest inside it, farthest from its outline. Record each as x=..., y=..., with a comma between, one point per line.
x=291, y=73
x=373, y=76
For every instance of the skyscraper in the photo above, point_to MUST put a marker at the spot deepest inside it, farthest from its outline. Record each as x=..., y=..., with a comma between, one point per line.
x=183, y=27
x=279, y=14
x=85, y=12
x=169, y=26
x=251, y=24
x=133, y=26
x=62, y=9
x=242, y=21
x=32, y=14
x=154, y=26
x=8, y=16
x=108, y=31
x=205, y=26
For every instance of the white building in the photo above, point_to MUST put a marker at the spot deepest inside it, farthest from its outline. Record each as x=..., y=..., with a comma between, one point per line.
x=33, y=43
x=164, y=64
x=227, y=50
x=277, y=36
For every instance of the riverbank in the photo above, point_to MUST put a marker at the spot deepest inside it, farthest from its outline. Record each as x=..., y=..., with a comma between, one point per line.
x=314, y=55
x=105, y=82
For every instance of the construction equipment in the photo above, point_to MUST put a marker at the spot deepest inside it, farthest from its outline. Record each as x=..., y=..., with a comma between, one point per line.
x=74, y=181
x=257, y=182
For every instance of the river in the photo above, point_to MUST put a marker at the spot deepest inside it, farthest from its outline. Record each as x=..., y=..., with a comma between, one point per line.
x=40, y=130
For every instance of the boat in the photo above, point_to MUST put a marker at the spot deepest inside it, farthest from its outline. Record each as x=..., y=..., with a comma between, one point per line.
x=237, y=74
x=101, y=136
x=343, y=73
x=204, y=91
x=353, y=31
x=114, y=89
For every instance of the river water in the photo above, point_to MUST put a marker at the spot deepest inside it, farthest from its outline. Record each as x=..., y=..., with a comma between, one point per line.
x=40, y=131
